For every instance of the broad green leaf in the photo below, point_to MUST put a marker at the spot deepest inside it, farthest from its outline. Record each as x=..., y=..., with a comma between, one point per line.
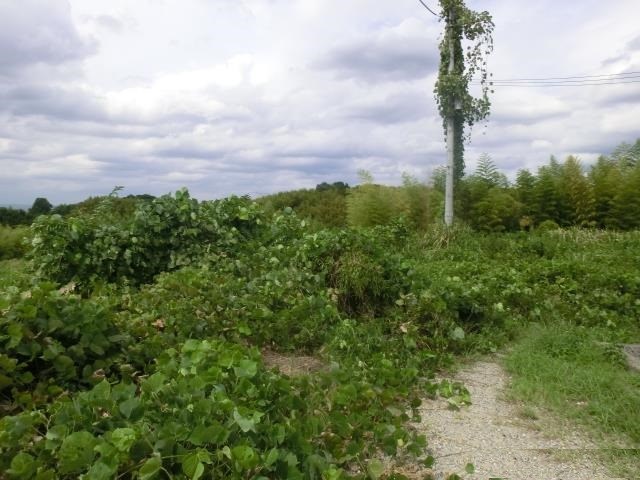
x=131, y=408
x=458, y=334
x=101, y=471
x=271, y=457
x=214, y=434
x=154, y=383
x=23, y=466
x=245, y=456
x=123, y=438
x=470, y=468
x=150, y=468
x=375, y=468
x=192, y=466
x=245, y=424
x=246, y=368
x=76, y=452
x=64, y=365
x=102, y=391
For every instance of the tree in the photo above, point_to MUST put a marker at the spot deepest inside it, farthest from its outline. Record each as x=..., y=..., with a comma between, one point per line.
x=626, y=203
x=41, y=206
x=579, y=194
x=605, y=176
x=488, y=172
x=457, y=107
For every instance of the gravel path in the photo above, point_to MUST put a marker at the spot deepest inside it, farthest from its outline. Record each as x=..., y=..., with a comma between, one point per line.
x=492, y=434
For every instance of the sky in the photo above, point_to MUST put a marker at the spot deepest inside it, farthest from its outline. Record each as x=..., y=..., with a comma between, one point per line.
x=259, y=96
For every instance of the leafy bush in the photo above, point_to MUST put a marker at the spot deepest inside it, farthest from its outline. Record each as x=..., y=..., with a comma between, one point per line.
x=164, y=234
x=548, y=225
x=210, y=408
x=12, y=242
x=52, y=342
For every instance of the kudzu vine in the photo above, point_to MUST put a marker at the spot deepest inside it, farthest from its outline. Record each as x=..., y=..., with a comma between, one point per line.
x=452, y=89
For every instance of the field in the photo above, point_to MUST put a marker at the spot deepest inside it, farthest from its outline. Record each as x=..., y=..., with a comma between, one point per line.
x=134, y=346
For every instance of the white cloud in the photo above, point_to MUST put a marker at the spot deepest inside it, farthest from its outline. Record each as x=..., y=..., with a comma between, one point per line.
x=254, y=96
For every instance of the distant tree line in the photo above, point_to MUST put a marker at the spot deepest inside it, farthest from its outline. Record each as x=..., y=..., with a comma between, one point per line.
x=14, y=217
x=558, y=194
x=326, y=204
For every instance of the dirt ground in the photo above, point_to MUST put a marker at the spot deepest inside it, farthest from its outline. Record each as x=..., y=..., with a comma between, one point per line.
x=503, y=440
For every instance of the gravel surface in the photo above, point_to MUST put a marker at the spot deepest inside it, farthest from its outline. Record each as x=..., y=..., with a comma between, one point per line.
x=493, y=435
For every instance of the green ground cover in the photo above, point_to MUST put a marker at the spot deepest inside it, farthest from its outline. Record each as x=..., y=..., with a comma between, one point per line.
x=140, y=336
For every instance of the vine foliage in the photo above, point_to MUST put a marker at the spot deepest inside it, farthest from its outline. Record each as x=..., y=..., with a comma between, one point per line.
x=452, y=88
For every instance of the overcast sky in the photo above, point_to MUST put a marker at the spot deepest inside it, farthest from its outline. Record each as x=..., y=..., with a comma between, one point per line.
x=258, y=96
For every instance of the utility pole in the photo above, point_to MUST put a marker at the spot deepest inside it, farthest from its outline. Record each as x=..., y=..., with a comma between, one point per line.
x=448, y=197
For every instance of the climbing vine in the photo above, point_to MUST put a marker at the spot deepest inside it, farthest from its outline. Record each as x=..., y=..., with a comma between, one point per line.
x=452, y=88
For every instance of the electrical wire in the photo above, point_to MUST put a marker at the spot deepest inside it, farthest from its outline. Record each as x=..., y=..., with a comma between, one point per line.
x=542, y=85
x=583, y=77
x=427, y=7
x=572, y=81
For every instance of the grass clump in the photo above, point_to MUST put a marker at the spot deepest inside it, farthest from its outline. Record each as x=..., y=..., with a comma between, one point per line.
x=577, y=374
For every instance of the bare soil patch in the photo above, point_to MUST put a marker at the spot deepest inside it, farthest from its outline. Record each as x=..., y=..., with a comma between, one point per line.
x=292, y=365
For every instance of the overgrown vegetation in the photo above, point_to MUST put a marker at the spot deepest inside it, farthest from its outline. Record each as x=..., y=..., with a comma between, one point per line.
x=559, y=194
x=135, y=350
x=12, y=242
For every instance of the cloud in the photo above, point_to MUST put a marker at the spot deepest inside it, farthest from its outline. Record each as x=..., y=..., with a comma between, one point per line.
x=399, y=107
x=108, y=22
x=268, y=95
x=39, y=32
x=66, y=103
x=398, y=53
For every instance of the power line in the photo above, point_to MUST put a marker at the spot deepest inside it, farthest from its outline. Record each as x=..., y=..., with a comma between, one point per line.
x=427, y=7
x=542, y=85
x=615, y=75
x=570, y=81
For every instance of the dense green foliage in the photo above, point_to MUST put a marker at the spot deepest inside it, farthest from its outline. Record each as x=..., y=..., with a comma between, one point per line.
x=135, y=351
x=14, y=217
x=12, y=242
x=161, y=235
x=325, y=205
x=602, y=196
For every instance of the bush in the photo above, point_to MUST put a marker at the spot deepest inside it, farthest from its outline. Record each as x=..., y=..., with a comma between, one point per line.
x=547, y=226
x=164, y=234
x=12, y=242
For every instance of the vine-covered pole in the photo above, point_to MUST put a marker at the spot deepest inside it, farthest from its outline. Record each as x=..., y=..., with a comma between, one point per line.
x=448, y=197
x=458, y=68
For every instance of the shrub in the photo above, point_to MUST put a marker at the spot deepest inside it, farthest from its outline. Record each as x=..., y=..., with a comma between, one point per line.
x=13, y=242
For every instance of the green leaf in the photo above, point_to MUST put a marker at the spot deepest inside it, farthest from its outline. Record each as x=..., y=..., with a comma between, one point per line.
x=23, y=466
x=102, y=391
x=131, y=408
x=192, y=466
x=375, y=468
x=76, y=452
x=470, y=468
x=154, y=383
x=271, y=457
x=123, y=438
x=101, y=471
x=64, y=365
x=150, y=468
x=458, y=334
x=213, y=434
x=246, y=368
x=245, y=424
x=245, y=457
